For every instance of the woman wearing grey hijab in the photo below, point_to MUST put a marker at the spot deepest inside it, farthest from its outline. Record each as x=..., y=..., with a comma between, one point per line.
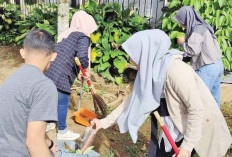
x=189, y=106
x=202, y=46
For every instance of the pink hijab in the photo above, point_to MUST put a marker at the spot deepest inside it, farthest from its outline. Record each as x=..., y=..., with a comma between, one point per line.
x=81, y=22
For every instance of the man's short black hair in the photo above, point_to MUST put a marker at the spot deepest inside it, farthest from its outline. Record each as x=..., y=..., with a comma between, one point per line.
x=39, y=39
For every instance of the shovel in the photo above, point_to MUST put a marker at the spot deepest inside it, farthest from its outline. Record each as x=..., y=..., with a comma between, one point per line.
x=83, y=116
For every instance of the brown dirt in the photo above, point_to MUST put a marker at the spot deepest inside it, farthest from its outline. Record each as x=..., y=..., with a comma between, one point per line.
x=10, y=60
x=109, y=142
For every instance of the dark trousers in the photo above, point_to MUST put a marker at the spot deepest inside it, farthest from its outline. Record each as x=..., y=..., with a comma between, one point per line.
x=154, y=150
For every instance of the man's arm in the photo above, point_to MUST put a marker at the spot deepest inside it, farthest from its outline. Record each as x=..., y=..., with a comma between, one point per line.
x=36, y=139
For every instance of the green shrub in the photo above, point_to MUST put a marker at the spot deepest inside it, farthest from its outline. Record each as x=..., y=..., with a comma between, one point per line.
x=218, y=13
x=17, y=25
x=114, y=27
x=9, y=15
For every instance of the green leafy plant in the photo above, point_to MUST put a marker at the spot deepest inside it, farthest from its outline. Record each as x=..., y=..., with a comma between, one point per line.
x=79, y=152
x=9, y=15
x=16, y=25
x=218, y=13
x=114, y=27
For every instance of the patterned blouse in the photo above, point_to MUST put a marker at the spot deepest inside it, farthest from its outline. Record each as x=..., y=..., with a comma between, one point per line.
x=63, y=70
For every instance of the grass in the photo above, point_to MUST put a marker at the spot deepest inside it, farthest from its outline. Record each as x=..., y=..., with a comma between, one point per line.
x=110, y=154
x=134, y=149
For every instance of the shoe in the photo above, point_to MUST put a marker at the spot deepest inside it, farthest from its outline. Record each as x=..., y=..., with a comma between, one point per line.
x=50, y=126
x=69, y=135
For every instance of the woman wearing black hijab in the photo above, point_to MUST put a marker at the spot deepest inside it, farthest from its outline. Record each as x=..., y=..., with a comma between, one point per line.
x=202, y=46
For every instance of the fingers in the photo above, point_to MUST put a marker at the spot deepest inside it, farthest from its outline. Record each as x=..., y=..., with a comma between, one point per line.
x=86, y=78
x=79, y=77
x=93, y=122
x=54, y=153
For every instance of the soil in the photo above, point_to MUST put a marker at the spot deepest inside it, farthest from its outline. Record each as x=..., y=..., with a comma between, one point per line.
x=10, y=60
x=109, y=142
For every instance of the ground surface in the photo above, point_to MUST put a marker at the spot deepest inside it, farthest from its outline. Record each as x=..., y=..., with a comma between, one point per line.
x=109, y=142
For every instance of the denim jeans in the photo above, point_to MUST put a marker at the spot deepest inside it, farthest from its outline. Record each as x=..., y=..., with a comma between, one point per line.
x=212, y=74
x=63, y=103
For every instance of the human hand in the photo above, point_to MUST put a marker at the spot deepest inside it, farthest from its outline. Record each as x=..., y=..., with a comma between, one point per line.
x=86, y=78
x=98, y=124
x=182, y=153
x=54, y=149
x=180, y=40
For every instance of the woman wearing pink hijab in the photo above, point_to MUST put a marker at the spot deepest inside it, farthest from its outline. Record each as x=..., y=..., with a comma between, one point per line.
x=74, y=42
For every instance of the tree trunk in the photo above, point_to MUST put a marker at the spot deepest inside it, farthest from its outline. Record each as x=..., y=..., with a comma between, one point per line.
x=63, y=15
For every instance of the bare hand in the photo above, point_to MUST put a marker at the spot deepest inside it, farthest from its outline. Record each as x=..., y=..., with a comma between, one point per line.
x=183, y=153
x=86, y=78
x=98, y=124
x=54, y=149
x=180, y=40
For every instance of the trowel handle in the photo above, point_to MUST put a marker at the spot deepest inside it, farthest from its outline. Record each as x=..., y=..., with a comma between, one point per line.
x=83, y=72
x=166, y=132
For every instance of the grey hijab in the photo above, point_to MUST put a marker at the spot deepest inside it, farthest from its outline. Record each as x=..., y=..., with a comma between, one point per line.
x=188, y=17
x=150, y=50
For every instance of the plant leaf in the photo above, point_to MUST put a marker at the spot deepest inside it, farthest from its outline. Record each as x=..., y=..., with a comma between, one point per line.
x=174, y=3
x=105, y=43
x=120, y=65
x=186, y=2
x=165, y=22
x=173, y=34
x=222, y=20
x=228, y=53
x=95, y=37
x=104, y=66
x=87, y=151
x=46, y=22
x=113, y=54
x=221, y=2
x=197, y=5
x=20, y=37
x=78, y=151
x=106, y=58
x=118, y=80
x=230, y=35
x=9, y=21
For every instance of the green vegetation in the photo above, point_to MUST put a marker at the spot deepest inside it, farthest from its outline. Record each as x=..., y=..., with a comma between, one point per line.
x=14, y=25
x=114, y=27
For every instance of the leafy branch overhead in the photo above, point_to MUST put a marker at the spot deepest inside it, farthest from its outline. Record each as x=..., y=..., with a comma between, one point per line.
x=218, y=13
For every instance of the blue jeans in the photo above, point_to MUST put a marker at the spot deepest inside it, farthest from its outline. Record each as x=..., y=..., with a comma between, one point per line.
x=212, y=74
x=63, y=103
